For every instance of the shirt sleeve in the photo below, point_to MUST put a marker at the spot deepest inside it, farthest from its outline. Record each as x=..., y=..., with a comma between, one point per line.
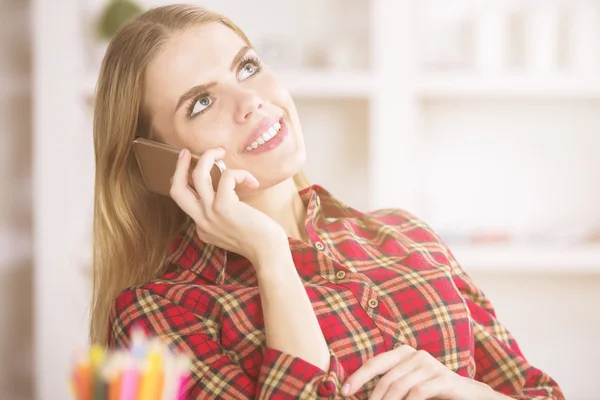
x=499, y=361
x=216, y=372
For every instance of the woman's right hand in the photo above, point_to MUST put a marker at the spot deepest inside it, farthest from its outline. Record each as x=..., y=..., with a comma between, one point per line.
x=221, y=218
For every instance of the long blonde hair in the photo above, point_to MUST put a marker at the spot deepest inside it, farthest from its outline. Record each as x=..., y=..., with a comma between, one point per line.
x=132, y=226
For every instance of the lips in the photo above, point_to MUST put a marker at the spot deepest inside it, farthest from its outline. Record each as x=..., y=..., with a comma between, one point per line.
x=261, y=128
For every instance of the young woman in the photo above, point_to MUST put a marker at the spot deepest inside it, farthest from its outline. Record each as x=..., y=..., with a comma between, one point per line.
x=275, y=287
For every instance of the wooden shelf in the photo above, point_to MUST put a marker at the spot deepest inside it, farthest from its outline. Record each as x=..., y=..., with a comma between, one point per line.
x=441, y=86
x=524, y=259
x=303, y=83
x=15, y=87
x=14, y=248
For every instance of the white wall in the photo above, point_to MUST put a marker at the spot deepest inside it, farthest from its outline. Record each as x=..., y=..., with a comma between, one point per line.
x=555, y=320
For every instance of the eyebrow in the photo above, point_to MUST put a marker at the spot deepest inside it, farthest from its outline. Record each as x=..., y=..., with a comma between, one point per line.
x=196, y=90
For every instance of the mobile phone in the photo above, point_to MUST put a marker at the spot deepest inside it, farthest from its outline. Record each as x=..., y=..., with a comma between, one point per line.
x=157, y=162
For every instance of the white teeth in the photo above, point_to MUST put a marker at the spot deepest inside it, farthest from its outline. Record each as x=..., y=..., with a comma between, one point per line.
x=265, y=137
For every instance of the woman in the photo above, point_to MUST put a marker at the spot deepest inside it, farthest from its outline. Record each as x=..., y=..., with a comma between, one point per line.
x=276, y=288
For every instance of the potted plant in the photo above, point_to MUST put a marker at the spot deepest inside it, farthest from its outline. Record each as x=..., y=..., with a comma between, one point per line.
x=114, y=14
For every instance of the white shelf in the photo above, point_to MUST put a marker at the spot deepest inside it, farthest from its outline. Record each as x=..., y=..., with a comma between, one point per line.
x=324, y=84
x=521, y=258
x=440, y=86
x=307, y=83
x=328, y=83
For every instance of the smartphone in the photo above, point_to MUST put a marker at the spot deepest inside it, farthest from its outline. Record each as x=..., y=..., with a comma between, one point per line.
x=157, y=162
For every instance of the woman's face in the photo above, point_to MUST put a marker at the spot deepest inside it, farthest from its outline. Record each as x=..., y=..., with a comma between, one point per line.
x=206, y=89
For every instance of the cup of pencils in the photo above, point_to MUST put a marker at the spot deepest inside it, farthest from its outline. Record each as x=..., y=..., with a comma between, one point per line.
x=148, y=370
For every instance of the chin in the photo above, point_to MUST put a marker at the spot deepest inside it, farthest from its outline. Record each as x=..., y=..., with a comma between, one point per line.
x=285, y=170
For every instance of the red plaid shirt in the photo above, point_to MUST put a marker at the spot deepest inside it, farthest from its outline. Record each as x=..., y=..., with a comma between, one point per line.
x=376, y=281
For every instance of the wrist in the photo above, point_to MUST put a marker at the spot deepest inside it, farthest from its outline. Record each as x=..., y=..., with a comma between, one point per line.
x=481, y=391
x=270, y=250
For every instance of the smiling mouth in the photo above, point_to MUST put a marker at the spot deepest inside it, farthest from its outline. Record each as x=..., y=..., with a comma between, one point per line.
x=265, y=137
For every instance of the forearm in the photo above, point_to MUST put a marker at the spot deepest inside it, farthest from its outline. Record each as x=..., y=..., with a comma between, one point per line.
x=291, y=325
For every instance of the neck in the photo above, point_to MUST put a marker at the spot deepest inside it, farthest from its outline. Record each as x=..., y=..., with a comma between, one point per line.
x=284, y=205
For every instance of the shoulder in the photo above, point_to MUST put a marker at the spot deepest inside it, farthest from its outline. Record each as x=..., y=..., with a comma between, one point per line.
x=395, y=217
x=406, y=223
x=125, y=311
x=126, y=300
x=133, y=295
x=334, y=208
x=160, y=287
x=135, y=306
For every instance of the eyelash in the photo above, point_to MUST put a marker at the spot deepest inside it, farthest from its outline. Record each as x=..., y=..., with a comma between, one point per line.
x=249, y=59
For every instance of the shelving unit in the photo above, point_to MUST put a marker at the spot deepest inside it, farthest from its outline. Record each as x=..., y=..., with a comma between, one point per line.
x=510, y=259
x=303, y=84
x=457, y=86
x=387, y=134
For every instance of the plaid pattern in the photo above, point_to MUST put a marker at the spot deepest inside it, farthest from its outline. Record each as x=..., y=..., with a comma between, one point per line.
x=376, y=281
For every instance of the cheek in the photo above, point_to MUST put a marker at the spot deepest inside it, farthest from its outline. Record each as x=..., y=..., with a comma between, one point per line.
x=273, y=90
x=199, y=136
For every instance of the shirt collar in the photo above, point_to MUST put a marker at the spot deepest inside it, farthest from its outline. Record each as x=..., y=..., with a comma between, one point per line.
x=209, y=262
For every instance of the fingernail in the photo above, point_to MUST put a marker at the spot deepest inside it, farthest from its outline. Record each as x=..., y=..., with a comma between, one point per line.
x=181, y=153
x=346, y=389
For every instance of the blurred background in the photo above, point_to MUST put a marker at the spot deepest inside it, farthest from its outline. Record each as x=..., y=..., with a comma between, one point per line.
x=481, y=117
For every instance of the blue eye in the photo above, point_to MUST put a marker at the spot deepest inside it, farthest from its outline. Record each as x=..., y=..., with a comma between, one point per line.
x=200, y=105
x=247, y=71
x=249, y=67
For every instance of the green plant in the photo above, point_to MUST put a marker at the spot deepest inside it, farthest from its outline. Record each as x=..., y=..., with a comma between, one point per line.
x=115, y=14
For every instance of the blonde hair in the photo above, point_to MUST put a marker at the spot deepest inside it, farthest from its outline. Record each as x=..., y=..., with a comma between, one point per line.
x=132, y=226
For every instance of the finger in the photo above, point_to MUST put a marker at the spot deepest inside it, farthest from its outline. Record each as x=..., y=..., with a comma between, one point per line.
x=201, y=175
x=180, y=191
x=377, y=365
x=402, y=386
x=228, y=182
x=434, y=387
x=402, y=369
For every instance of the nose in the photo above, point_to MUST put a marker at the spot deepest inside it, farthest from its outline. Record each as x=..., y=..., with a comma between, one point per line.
x=248, y=103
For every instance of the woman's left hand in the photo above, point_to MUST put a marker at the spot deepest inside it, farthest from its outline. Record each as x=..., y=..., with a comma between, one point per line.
x=411, y=374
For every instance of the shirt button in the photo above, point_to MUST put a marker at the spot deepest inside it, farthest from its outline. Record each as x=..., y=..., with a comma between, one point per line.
x=340, y=274
x=320, y=246
x=373, y=303
x=397, y=344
